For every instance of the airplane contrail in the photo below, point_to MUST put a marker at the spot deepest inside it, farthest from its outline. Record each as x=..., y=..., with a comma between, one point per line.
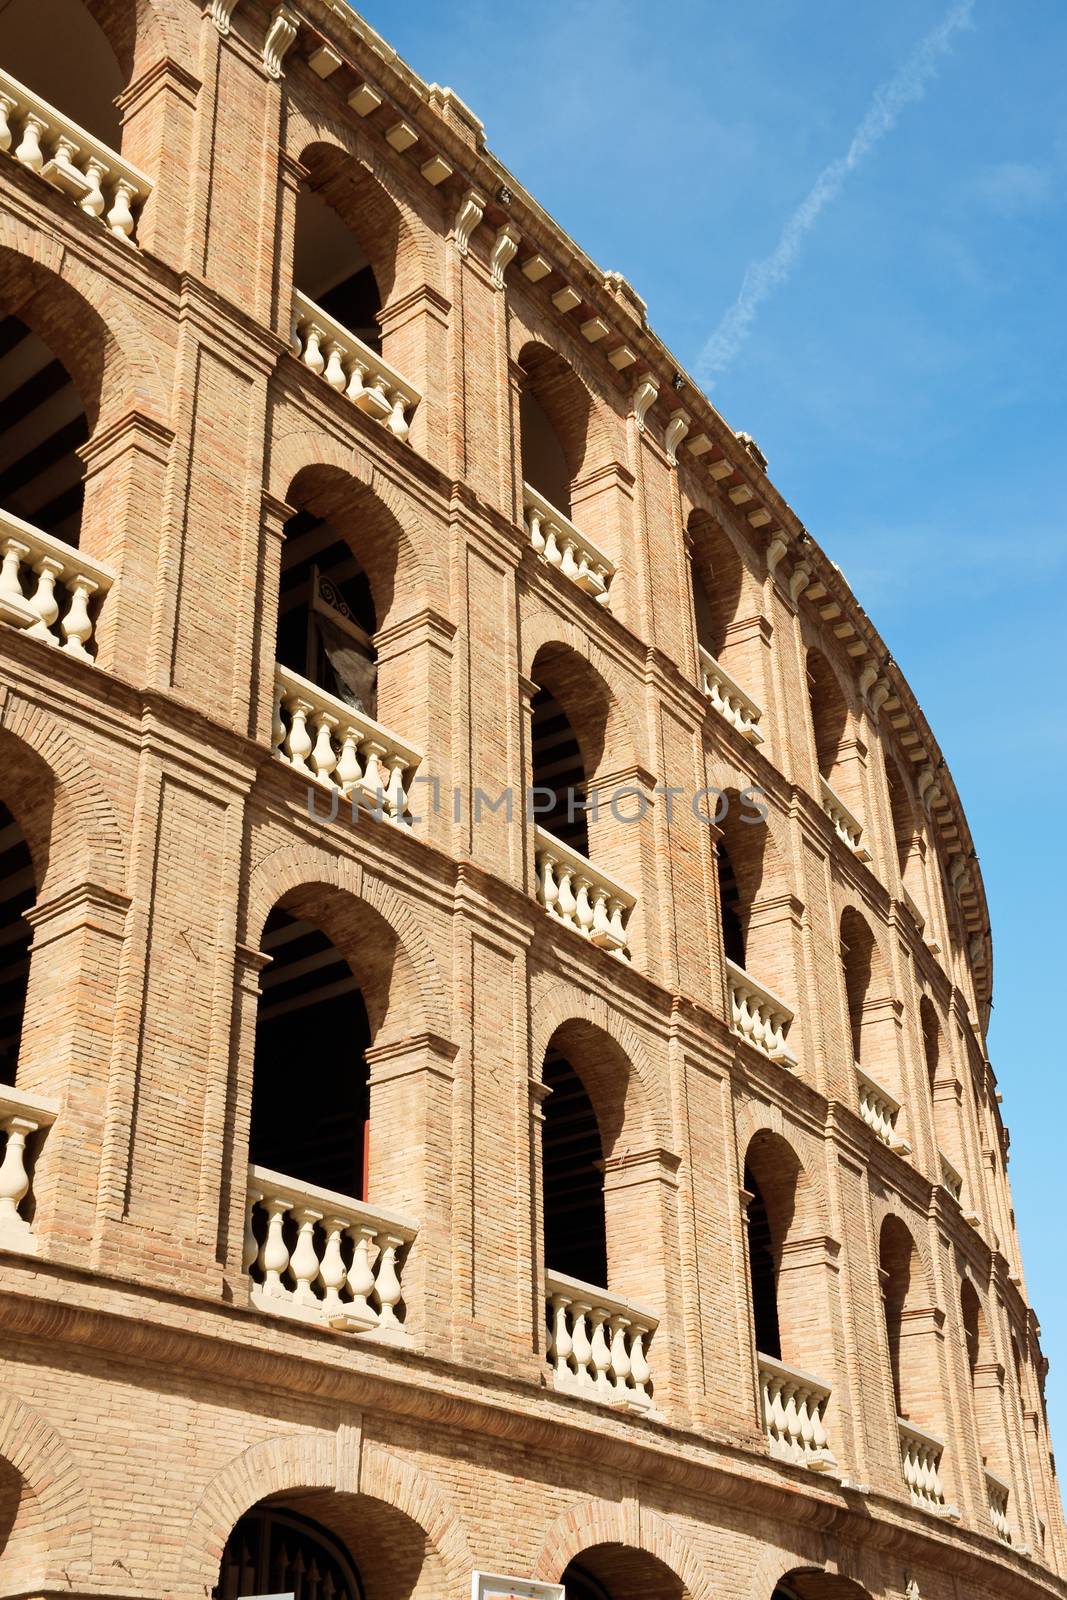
x=767, y=274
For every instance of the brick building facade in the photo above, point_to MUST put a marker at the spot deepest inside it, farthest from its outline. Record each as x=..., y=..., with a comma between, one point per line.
x=403, y=1178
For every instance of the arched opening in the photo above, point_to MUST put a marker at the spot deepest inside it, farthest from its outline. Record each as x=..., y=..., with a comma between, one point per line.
x=789, y=1303
x=718, y=584
x=23, y=1534
x=986, y=1376
x=332, y=268
x=555, y=413
x=558, y=772
x=730, y=638
x=829, y=714
x=82, y=80
x=572, y=1167
x=910, y=1327
x=743, y=870
x=857, y=959
x=348, y=574
x=873, y=1025
x=730, y=910
x=326, y=615
x=595, y=1133
x=757, y=948
x=931, y=1037
x=619, y=1572
x=811, y=1584
x=18, y=891
x=43, y=423
x=315, y=1128
x=273, y=1550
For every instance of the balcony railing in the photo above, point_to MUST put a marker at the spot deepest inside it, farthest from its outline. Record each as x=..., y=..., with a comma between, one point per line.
x=95, y=177
x=794, y=1409
x=950, y=1178
x=33, y=566
x=848, y=828
x=21, y=1116
x=322, y=1257
x=334, y=745
x=758, y=1016
x=578, y=894
x=998, y=1493
x=729, y=699
x=598, y=1343
x=351, y=367
x=879, y=1110
x=558, y=541
x=920, y=1459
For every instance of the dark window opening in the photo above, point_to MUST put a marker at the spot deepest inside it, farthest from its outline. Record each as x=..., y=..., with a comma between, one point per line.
x=330, y=266
x=733, y=927
x=310, y=1097
x=763, y=1274
x=326, y=618
x=17, y=893
x=557, y=766
x=42, y=423
x=573, y=1178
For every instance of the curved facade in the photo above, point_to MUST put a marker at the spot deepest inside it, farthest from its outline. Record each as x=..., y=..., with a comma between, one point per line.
x=493, y=967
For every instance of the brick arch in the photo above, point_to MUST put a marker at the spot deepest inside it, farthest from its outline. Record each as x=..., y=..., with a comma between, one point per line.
x=756, y=1116
x=318, y=139
x=114, y=371
x=38, y=1454
x=289, y=1462
x=300, y=450
x=83, y=821
x=888, y=1204
x=289, y=867
x=724, y=565
x=541, y=628
x=881, y=969
x=568, y=390
x=599, y=1522
x=566, y=1004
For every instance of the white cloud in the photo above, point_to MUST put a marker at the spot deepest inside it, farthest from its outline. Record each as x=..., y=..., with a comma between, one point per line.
x=763, y=276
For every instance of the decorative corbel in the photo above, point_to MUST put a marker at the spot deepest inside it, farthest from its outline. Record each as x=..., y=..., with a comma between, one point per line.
x=645, y=395
x=471, y=212
x=674, y=433
x=220, y=12
x=503, y=252
x=868, y=678
x=798, y=580
x=776, y=550
x=280, y=35
x=879, y=695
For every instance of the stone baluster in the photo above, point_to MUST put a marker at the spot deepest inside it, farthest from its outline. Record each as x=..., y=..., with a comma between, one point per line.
x=397, y=421
x=313, y=356
x=299, y=744
x=582, y=1348
x=323, y=756
x=274, y=1252
x=93, y=202
x=120, y=217
x=560, y=1344
x=387, y=1280
x=43, y=600
x=7, y=108
x=600, y=1351
x=304, y=1261
x=361, y=1273
x=335, y=374
x=333, y=1273
x=77, y=627
x=15, y=554
x=620, y=1354
x=348, y=770
x=29, y=151
x=14, y=1177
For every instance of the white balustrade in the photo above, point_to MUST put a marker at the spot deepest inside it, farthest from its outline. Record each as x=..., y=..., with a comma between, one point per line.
x=337, y=746
x=920, y=1458
x=598, y=1343
x=998, y=1493
x=759, y=1016
x=348, y=365
x=950, y=1178
x=32, y=565
x=794, y=1411
x=729, y=699
x=21, y=1116
x=322, y=1257
x=848, y=827
x=559, y=542
x=879, y=1110
x=94, y=176
x=578, y=894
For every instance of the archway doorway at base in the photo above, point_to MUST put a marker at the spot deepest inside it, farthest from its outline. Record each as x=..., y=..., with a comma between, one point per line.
x=274, y=1551
x=619, y=1572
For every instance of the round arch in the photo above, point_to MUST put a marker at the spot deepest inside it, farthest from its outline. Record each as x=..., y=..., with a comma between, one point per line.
x=288, y=1463
x=355, y=910
x=599, y=1523
x=56, y=1548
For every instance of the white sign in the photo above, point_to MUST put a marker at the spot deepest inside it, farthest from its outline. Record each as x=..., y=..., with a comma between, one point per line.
x=498, y=1586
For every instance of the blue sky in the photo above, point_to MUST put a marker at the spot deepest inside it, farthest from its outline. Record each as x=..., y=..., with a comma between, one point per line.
x=906, y=381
